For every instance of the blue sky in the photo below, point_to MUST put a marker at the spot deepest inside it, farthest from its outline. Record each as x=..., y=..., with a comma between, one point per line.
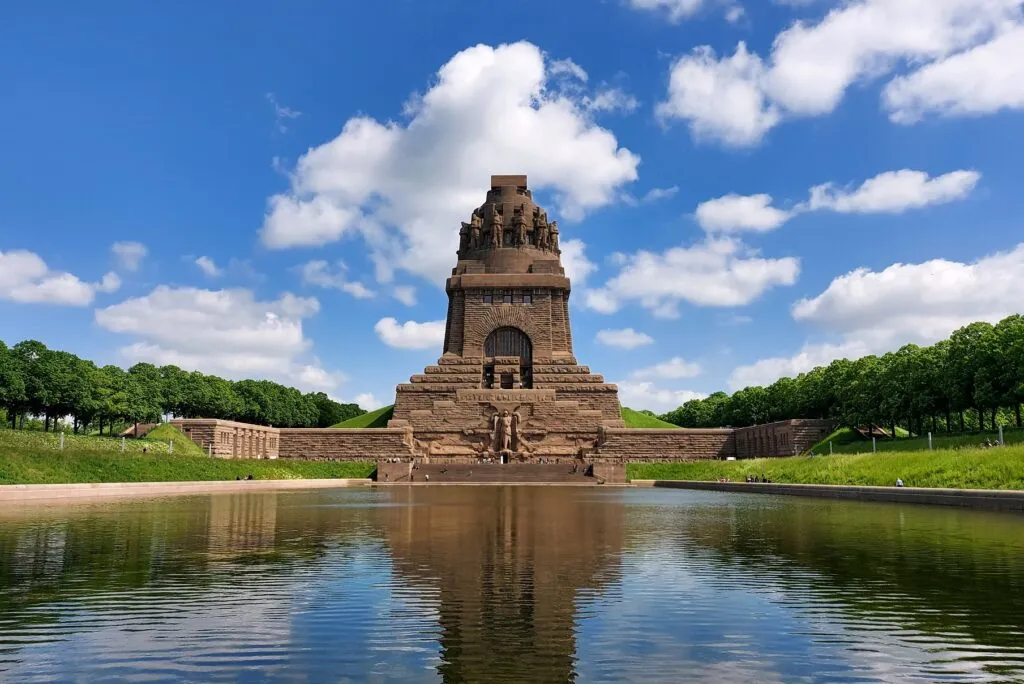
x=745, y=190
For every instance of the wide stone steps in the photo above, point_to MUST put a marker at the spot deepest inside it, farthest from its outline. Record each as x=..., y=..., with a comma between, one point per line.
x=510, y=473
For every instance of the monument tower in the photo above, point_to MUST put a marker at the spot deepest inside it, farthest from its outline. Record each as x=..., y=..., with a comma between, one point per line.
x=507, y=385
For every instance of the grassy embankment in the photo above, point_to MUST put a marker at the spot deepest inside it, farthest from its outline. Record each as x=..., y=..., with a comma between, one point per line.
x=373, y=419
x=968, y=468
x=846, y=441
x=35, y=458
x=635, y=419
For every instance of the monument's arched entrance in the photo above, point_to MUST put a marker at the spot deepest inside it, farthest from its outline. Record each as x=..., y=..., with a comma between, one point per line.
x=503, y=343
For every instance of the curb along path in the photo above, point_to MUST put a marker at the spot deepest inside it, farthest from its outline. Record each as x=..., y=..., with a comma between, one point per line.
x=987, y=499
x=98, y=490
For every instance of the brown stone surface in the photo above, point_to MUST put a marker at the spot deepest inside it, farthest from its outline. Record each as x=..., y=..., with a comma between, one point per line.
x=507, y=347
x=228, y=439
x=782, y=438
x=334, y=444
x=651, y=445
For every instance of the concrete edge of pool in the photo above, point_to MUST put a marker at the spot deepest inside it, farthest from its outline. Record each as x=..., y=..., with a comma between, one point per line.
x=988, y=499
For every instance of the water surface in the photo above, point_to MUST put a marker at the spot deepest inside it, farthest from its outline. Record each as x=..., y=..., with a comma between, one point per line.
x=516, y=584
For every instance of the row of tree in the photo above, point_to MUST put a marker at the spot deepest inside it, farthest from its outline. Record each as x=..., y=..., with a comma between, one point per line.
x=51, y=384
x=971, y=381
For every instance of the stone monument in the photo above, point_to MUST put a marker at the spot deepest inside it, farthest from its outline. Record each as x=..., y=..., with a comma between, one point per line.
x=507, y=386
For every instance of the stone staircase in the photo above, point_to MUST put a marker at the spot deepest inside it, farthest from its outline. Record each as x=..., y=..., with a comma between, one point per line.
x=484, y=473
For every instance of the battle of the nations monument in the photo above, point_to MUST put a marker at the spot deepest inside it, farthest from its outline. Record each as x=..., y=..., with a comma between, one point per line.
x=507, y=388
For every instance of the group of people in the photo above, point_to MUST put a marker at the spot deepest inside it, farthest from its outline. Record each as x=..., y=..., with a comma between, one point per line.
x=753, y=478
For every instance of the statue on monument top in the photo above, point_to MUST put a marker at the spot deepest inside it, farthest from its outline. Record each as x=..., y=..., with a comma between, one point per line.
x=519, y=224
x=554, y=236
x=497, y=227
x=474, y=230
x=541, y=230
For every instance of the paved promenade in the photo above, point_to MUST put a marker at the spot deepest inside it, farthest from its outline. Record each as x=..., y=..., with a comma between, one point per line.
x=53, y=492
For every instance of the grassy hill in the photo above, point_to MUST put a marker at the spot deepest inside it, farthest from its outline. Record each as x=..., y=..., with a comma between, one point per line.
x=846, y=441
x=36, y=458
x=996, y=468
x=635, y=419
x=373, y=419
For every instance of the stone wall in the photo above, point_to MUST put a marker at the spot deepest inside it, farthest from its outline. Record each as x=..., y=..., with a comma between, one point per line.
x=634, y=445
x=336, y=444
x=229, y=439
x=782, y=438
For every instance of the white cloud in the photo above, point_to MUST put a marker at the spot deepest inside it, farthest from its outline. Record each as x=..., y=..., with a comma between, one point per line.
x=675, y=10
x=129, y=254
x=722, y=99
x=405, y=187
x=405, y=294
x=410, y=335
x=627, y=338
x=738, y=212
x=895, y=191
x=208, y=266
x=282, y=114
x=735, y=14
x=574, y=260
x=960, y=52
x=891, y=192
x=225, y=332
x=655, y=194
x=716, y=272
x=675, y=368
x=871, y=312
x=25, y=278
x=646, y=395
x=611, y=100
x=368, y=402
x=317, y=272
x=982, y=80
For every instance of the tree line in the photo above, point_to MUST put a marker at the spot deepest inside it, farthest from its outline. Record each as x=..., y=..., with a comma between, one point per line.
x=974, y=380
x=52, y=384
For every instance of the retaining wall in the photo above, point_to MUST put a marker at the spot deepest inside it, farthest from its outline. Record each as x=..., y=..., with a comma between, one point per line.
x=336, y=444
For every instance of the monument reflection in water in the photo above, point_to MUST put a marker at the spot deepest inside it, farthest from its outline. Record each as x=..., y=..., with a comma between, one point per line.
x=483, y=584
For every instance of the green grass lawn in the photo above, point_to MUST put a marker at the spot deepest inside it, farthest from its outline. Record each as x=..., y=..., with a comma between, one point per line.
x=635, y=419
x=373, y=419
x=846, y=441
x=996, y=468
x=35, y=458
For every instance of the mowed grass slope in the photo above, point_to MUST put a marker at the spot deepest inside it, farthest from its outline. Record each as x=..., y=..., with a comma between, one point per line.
x=995, y=468
x=35, y=458
x=846, y=441
x=636, y=419
x=373, y=419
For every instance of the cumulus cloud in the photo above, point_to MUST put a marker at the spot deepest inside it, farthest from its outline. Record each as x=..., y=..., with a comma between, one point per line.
x=410, y=335
x=894, y=192
x=208, y=266
x=676, y=11
x=891, y=192
x=739, y=212
x=964, y=59
x=716, y=272
x=368, y=401
x=626, y=338
x=129, y=254
x=405, y=186
x=872, y=312
x=575, y=262
x=675, y=368
x=225, y=332
x=25, y=278
x=405, y=294
x=318, y=272
x=646, y=395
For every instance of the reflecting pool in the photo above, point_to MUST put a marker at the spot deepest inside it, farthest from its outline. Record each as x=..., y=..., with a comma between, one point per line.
x=514, y=584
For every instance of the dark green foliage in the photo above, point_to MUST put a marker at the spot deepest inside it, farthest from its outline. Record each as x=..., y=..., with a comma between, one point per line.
x=972, y=381
x=50, y=384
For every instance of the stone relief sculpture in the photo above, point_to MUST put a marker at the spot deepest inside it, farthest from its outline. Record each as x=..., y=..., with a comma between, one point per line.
x=541, y=230
x=474, y=230
x=503, y=431
x=553, y=238
x=463, y=237
x=497, y=227
x=519, y=223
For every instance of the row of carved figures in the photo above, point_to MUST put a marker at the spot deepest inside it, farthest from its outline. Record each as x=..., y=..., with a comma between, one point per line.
x=543, y=235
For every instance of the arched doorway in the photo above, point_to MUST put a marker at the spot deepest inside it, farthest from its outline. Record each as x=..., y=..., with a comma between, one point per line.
x=506, y=342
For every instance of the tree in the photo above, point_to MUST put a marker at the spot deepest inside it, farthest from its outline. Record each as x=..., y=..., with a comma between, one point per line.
x=12, y=384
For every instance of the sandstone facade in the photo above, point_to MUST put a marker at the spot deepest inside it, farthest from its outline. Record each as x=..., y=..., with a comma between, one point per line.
x=228, y=439
x=782, y=438
x=507, y=385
